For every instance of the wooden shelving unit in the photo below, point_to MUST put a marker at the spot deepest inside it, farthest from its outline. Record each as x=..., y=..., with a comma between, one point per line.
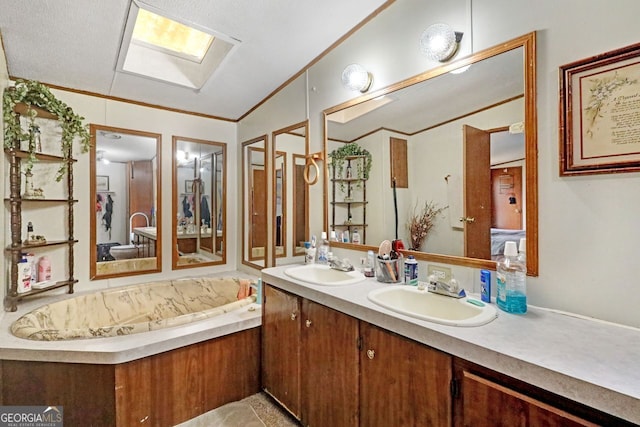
x=16, y=201
x=351, y=205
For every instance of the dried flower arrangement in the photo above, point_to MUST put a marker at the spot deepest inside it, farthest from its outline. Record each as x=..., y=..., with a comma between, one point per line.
x=419, y=224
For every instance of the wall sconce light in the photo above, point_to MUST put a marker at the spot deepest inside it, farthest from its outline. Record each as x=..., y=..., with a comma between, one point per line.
x=439, y=42
x=356, y=77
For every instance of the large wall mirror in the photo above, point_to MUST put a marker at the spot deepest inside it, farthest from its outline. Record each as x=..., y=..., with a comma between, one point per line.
x=199, y=202
x=254, y=202
x=462, y=139
x=290, y=193
x=125, y=189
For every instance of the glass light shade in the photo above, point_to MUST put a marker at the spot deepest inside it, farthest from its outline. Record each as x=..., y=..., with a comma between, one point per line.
x=439, y=42
x=355, y=77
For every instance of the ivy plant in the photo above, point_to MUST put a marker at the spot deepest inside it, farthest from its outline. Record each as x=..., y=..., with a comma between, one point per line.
x=339, y=156
x=35, y=94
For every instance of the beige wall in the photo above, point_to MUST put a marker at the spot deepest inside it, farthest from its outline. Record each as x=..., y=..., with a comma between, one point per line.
x=588, y=225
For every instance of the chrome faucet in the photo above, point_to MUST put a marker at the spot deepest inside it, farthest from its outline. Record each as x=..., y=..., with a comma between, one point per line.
x=451, y=289
x=344, y=265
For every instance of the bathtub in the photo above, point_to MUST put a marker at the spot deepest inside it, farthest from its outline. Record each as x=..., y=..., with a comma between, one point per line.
x=134, y=309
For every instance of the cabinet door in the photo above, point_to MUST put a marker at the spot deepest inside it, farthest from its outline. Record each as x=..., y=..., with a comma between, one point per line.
x=402, y=382
x=281, y=348
x=485, y=402
x=330, y=361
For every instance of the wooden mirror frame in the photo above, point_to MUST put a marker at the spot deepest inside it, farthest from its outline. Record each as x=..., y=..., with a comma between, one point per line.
x=246, y=232
x=274, y=153
x=174, y=237
x=93, y=256
x=528, y=43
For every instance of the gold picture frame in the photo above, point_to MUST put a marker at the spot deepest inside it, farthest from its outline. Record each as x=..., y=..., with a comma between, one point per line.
x=600, y=113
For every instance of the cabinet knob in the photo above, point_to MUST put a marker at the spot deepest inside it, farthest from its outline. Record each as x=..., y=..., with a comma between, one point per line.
x=468, y=220
x=293, y=316
x=371, y=354
x=308, y=323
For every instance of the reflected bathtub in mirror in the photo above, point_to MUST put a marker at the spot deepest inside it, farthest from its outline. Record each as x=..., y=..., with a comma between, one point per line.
x=199, y=202
x=254, y=202
x=124, y=185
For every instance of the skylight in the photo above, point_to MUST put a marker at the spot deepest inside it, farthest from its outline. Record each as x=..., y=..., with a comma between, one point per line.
x=159, y=47
x=164, y=33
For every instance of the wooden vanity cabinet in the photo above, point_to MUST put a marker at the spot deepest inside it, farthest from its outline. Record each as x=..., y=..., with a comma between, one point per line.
x=402, y=382
x=329, y=374
x=281, y=348
x=310, y=359
x=485, y=397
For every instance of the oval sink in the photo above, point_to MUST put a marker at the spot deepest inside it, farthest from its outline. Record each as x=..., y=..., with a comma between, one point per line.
x=421, y=304
x=324, y=275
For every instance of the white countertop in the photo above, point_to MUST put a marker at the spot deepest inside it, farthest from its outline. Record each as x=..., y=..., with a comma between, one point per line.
x=124, y=348
x=591, y=362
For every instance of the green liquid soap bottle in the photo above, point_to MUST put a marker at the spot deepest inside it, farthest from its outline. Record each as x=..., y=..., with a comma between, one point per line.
x=511, y=279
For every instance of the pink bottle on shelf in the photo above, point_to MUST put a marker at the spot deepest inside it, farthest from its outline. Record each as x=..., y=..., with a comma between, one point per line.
x=44, y=269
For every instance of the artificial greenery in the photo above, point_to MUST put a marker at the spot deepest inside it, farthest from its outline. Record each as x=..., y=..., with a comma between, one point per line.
x=339, y=157
x=33, y=93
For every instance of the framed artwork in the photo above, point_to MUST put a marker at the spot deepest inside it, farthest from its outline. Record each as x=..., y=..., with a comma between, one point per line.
x=102, y=183
x=600, y=113
x=188, y=186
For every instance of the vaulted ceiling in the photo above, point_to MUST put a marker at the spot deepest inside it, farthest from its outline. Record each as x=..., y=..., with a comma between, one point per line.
x=75, y=44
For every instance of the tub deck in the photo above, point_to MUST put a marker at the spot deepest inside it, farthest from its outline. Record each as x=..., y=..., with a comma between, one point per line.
x=113, y=350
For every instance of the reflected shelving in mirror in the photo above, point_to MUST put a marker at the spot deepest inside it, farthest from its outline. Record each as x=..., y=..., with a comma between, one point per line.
x=125, y=188
x=199, y=203
x=426, y=114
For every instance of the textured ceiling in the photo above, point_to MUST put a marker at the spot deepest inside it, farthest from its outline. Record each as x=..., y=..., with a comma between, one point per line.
x=75, y=44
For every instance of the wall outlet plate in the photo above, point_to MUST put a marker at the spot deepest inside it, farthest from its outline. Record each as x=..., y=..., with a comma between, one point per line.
x=442, y=273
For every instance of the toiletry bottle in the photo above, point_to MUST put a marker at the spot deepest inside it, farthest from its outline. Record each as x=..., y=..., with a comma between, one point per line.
x=355, y=238
x=345, y=236
x=522, y=251
x=31, y=260
x=29, y=231
x=310, y=254
x=370, y=265
x=323, y=250
x=511, y=279
x=333, y=236
x=44, y=269
x=411, y=271
x=24, y=275
x=308, y=259
x=485, y=285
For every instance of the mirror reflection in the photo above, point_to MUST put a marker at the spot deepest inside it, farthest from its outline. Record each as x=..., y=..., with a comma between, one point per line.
x=290, y=204
x=125, y=178
x=254, y=202
x=199, y=199
x=456, y=145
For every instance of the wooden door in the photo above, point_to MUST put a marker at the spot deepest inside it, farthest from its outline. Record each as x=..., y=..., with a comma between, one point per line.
x=141, y=193
x=329, y=380
x=281, y=348
x=484, y=402
x=506, y=188
x=402, y=383
x=477, y=193
x=258, y=211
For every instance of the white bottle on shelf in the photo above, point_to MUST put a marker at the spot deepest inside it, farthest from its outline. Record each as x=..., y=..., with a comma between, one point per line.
x=355, y=238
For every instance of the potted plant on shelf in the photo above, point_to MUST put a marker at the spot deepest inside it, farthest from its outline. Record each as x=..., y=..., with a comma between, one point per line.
x=339, y=156
x=35, y=94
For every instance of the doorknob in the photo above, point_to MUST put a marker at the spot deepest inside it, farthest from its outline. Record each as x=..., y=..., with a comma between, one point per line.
x=467, y=219
x=371, y=354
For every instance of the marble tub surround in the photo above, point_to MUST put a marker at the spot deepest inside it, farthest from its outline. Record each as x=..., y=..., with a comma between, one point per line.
x=125, y=265
x=134, y=309
x=588, y=361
